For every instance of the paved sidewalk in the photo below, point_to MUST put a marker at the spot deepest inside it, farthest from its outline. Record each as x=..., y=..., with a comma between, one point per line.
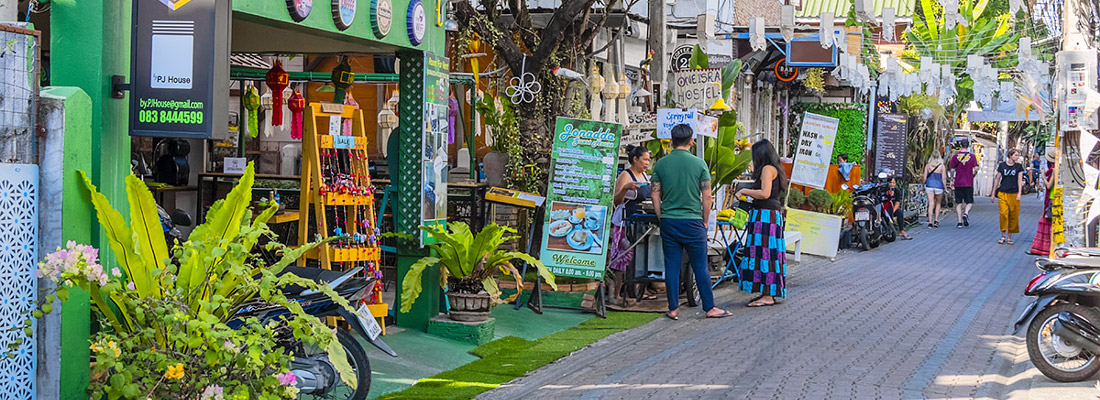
x=927, y=318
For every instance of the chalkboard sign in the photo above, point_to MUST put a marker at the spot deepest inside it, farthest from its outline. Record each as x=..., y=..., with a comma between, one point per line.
x=890, y=149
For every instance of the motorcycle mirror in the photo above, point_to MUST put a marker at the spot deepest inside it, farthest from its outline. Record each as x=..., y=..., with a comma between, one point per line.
x=882, y=175
x=181, y=218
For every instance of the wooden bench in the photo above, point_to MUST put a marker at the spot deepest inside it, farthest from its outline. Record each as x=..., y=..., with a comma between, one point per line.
x=794, y=244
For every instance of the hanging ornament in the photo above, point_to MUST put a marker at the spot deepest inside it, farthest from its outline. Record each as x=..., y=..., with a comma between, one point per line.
x=1015, y=6
x=951, y=15
x=756, y=34
x=349, y=100
x=786, y=26
x=947, y=85
x=974, y=62
x=826, y=34
x=475, y=51
x=610, y=92
x=251, y=102
x=1024, y=49
x=595, y=106
x=523, y=88
x=929, y=72
x=888, y=23
x=623, y=93
x=296, y=104
x=865, y=10
x=277, y=80
x=1006, y=97
x=387, y=121
x=342, y=77
x=452, y=114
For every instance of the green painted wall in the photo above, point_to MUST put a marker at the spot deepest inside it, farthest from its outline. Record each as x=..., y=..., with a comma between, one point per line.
x=79, y=221
x=321, y=18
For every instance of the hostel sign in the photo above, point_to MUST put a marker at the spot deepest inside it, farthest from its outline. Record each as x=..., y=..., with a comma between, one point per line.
x=697, y=88
x=179, y=71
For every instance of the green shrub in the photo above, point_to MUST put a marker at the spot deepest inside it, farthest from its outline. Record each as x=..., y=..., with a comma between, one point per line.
x=795, y=199
x=820, y=200
x=842, y=203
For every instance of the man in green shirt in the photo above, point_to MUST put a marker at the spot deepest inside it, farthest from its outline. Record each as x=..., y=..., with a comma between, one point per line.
x=682, y=199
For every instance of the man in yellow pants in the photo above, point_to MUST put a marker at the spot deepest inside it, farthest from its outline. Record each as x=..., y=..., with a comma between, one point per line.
x=1007, y=184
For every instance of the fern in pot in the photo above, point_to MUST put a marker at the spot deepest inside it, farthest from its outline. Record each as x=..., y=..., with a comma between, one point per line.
x=469, y=266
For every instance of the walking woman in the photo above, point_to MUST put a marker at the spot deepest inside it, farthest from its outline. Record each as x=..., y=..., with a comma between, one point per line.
x=765, y=272
x=933, y=185
x=631, y=189
x=1040, y=245
x=1007, y=184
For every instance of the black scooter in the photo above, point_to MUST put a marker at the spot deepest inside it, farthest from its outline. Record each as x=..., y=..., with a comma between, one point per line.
x=873, y=224
x=1063, y=338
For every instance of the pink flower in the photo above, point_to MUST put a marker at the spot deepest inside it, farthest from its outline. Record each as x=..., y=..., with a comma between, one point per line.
x=131, y=286
x=212, y=392
x=287, y=379
x=116, y=272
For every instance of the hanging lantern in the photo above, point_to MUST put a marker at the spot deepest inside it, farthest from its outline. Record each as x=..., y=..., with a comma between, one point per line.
x=342, y=77
x=349, y=100
x=786, y=25
x=947, y=85
x=251, y=102
x=826, y=34
x=296, y=104
x=277, y=80
x=595, y=106
x=387, y=121
x=888, y=23
x=756, y=34
x=624, y=92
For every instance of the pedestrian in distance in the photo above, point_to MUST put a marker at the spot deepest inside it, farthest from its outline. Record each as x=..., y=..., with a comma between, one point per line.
x=1040, y=244
x=631, y=189
x=965, y=166
x=896, y=208
x=682, y=199
x=765, y=270
x=934, y=187
x=1007, y=184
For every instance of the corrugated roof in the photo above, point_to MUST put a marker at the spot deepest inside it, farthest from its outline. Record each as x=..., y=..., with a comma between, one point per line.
x=814, y=8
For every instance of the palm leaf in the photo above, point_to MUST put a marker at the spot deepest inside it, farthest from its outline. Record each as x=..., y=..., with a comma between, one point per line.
x=411, y=285
x=120, y=239
x=223, y=222
x=544, y=272
x=147, y=231
x=930, y=18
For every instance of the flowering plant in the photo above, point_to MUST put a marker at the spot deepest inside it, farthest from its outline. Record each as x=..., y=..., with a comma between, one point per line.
x=171, y=325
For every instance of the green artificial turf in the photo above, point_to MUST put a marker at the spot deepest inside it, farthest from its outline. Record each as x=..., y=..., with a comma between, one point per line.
x=510, y=357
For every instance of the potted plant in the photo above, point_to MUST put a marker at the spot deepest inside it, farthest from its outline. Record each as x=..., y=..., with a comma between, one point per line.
x=469, y=266
x=500, y=125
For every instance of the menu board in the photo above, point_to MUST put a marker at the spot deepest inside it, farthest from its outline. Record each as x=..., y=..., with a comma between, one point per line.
x=815, y=150
x=890, y=146
x=582, y=181
x=434, y=152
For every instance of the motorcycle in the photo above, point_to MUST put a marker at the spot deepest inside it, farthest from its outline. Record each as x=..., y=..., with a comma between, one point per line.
x=315, y=373
x=1063, y=338
x=873, y=222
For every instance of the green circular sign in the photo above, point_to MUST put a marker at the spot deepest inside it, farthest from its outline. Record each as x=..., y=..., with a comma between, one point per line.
x=381, y=17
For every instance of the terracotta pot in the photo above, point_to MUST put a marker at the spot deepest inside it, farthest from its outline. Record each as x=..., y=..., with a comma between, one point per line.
x=494, y=164
x=469, y=307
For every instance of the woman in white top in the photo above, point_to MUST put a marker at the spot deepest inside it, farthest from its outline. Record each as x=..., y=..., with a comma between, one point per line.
x=631, y=189
x=934, y=187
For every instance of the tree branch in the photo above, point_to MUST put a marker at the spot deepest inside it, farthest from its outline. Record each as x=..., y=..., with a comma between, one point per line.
x=555, y=30
x=522, y=19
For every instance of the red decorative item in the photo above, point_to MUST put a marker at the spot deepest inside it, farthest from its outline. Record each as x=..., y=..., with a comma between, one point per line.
x=277, y=80
x=296, y=104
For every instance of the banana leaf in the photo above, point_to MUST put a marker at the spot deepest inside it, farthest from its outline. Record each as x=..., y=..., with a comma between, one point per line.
x=120, y=238
x=699, y=59
x=148, y=233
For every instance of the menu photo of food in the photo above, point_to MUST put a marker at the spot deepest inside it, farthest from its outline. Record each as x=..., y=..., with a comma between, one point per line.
x=576, y=227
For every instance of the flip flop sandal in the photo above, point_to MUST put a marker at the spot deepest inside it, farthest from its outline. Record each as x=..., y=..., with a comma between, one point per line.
x=754, y=304
x=648, y=296
x=1010, y=243
x=725, y=313
x=1002, y=241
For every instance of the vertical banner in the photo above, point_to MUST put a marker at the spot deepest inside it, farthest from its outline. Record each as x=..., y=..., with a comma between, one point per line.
x=434, y=154
x=578, y=214
x=890, y=143
x=815, y=150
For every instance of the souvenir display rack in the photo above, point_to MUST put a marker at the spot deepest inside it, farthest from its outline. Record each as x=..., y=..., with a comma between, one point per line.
x=336, y=183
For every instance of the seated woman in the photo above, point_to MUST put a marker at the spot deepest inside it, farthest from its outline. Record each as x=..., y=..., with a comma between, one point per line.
x=631, y=189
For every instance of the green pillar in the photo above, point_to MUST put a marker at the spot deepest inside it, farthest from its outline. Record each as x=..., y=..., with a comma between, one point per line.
x=410, y=135
x=93, y=39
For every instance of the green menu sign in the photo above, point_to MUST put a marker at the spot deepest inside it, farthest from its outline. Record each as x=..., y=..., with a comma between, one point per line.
x=579, y=198
x=434, y=153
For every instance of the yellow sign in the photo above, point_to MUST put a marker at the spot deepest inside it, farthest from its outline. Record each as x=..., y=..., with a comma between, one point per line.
x=820, y=232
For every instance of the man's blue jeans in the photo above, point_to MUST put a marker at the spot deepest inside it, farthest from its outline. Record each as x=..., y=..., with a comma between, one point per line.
x=691, y=235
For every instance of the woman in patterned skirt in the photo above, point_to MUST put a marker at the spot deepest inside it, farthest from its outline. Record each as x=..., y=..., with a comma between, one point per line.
x=1040, y=245
x=765, y=271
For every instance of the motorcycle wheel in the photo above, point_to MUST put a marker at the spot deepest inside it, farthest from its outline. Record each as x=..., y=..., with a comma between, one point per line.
x=876, y=236
x=863, y=240
x=357, y=357
x=691, y=289
x=890, y=234
x=1053, y=356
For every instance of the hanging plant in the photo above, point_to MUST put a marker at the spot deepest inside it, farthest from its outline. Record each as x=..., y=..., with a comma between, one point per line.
x=814, y=80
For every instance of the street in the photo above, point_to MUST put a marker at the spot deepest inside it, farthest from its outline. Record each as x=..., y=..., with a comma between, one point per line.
x=927, y=318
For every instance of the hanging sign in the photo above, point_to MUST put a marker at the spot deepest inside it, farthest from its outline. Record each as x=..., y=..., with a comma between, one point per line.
x=179, y=70
x=890, y=143
x=417, y=22
x=681, y=57
x=381, y=17
x=815, y=150
x=582, y=176
x=299, y=9
x=343, y=13
x=697, y=88
x=784, y=72
x=434, y=150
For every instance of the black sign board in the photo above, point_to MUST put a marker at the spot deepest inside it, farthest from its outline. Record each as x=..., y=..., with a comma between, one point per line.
x=681, y=57
x=890, y=147
x=179, y=68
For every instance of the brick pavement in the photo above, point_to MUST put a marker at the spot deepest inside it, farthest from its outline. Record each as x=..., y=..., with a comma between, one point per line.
x=927, y=318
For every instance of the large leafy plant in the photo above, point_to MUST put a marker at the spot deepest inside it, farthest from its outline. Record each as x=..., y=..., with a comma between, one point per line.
x=470, y=263
x=726, y=157
x=169, y=333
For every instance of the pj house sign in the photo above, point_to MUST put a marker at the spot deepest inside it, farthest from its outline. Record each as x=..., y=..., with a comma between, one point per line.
x=179, y=71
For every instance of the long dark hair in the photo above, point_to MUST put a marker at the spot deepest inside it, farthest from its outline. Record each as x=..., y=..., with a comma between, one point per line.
x=763, y=153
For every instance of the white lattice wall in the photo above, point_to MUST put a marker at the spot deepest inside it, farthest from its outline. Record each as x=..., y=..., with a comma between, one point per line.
x=18, y=290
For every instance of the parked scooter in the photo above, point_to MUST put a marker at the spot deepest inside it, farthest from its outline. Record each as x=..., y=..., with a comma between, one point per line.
x=873, y=222
x=1063, y=338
